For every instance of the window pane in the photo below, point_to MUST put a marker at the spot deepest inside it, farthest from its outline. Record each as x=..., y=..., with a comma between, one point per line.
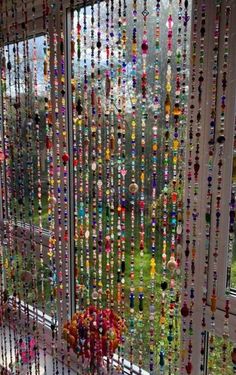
x=26, y=172
x=20, y=128
x=216, y=364
x=137, y=269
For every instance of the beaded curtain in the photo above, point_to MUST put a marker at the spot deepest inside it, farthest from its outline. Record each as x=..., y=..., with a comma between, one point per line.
x=98, y=115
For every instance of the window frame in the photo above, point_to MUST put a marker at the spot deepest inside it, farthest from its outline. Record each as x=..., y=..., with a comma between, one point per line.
x=226, y=193
x=46, y=330
x=201, y=237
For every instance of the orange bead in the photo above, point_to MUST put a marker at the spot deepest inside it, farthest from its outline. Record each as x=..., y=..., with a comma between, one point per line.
x=213, y=303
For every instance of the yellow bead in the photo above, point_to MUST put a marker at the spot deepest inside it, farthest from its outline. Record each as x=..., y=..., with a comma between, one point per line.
x=168, y=87
x=78, y=121
x=162, y=320
x=175, y=145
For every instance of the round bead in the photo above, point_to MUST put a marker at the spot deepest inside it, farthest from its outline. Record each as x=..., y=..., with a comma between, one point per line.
x=133, y=188
x=95, y=295
x=185, y=311
x=172, y=264
x=65, y=157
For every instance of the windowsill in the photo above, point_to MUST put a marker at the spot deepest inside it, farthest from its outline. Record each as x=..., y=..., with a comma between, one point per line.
x=6, y=332
x=24, y=368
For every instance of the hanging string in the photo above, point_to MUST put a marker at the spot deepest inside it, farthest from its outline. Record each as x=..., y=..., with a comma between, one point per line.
x=211, y=150
x=133, y=187
x=111, y=98
x=119, y=181
x=185, y=308
x=220, y=153
x=52, y=200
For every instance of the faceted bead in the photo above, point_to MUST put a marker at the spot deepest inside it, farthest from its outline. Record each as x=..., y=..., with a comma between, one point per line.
x=145, y=46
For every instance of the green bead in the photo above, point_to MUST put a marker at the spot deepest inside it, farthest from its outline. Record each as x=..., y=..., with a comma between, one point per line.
x=208, y=217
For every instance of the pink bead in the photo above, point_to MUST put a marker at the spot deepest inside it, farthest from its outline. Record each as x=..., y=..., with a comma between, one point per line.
x=145, y=46
x=172, y=283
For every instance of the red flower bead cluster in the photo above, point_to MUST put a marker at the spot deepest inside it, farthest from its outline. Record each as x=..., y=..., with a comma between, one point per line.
x=94, y=333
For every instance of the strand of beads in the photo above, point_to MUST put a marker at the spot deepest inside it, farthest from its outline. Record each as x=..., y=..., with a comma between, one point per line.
x=77, y=115
x=60, y=158
x=86, y=162
x=226, y=330
x=66, y=286
x=144, y=115
x=94, y=155
x=50, y=135
x=189, y=174
x=76, y=123
x=57, y=166
x=220, y=140
x=78, y=183
x=167, y=106
x=179, y=115
x=29, y=123
x=119, y=178
x=112, y=148
x=133, y=186
x=172, y=198
x=94, y=171
x=211, y=149
x=181, y=92
x=99, y=177
x=123, y=169
x=196, y=167
x=110, y=145
x=48, y=142
x=37, y=120
x=156, y=102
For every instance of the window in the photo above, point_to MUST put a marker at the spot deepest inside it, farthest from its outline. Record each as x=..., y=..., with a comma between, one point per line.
x=26, y=170
x=89, y=95
x=215, y=357
x=29, y=93
x=114, y=235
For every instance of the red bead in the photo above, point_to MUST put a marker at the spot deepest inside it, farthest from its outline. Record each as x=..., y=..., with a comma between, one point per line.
x=189, y=368
x=48, y=143
x=65, y=157
x=185, y=311
x=144, y=46
x=141, y=204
